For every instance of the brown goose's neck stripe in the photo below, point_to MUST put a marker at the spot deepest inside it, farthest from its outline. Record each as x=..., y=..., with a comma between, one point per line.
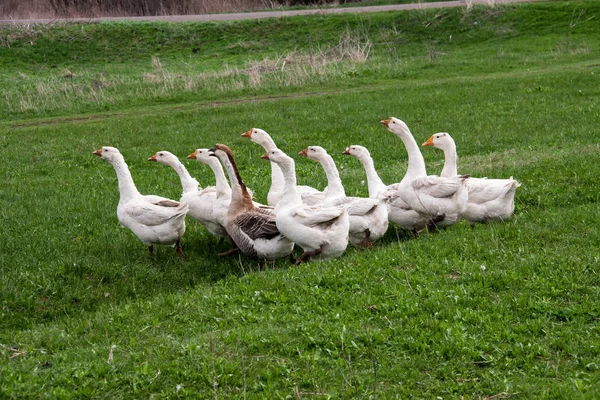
x=245, y=195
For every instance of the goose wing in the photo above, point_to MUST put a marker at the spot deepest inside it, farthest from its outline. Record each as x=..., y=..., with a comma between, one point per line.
x=311, y=216
x=438, y=187
x=483, y=190
x=257, y=225
x=153, y=214
x=357, y=205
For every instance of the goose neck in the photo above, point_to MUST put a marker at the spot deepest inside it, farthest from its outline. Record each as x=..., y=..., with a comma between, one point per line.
x=188, y=183
x=334, y=183
x=374, y=182
x=416, y=162
x=239, y=192
x=450, y=161
x=290, y=190
x=221, y=181
x=127, y=189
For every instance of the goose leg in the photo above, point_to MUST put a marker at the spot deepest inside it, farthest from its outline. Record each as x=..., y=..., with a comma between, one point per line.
x=308, y=254
x=432, y=224
x=150, y=249
x=367, y=244
x=179, y=249
x=234, y=249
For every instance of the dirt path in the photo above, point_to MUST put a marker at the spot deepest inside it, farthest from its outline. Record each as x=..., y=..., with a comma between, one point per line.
x=275, y=14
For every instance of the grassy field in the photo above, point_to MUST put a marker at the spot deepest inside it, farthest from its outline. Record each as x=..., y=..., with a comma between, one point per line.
x=501, y=310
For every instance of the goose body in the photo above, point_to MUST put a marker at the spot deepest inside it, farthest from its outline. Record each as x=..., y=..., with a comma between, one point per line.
x=253, y=229
x=153, y=219
x=368, y=216
x=489, y=199
x=419, y=199
x=308, y=194
x=203, y=203
x=322, y=232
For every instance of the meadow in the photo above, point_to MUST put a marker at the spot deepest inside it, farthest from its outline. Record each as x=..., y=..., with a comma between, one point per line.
x=499, y=310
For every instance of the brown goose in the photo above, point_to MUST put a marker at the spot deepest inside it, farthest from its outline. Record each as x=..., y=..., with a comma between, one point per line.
x=252, y=229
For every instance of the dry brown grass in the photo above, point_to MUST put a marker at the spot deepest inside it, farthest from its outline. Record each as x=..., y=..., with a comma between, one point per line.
x=20, y=9
x=293, y=69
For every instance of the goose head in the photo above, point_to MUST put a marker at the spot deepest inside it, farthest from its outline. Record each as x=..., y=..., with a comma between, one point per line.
x=108, y=153
x=314, y=153
x=396, y=126
x=357, y=151
x=260, y=137
x=164, y=157
x=221, y=151
x=441, y=140
x=201, y=155
x=277, y=156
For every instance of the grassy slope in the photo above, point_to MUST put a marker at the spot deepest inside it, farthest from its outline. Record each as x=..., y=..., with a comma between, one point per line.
x=74, y=284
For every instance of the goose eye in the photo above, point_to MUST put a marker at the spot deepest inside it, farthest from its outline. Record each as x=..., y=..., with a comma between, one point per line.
x=105, y=150
x=161, y=154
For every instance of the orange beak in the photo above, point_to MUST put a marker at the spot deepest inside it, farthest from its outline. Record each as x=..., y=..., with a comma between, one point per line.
x=386, y=122
x=153, y=158
x=429, y=142
x=193, y=155
x=304, y=152
x=265, y=156
x=97, y=152
x=347, y=151
x=248, y=134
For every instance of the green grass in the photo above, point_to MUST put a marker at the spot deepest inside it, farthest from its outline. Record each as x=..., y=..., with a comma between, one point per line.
x=415, y=318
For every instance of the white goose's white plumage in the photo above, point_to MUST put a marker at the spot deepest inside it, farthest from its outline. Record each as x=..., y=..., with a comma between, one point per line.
x=153, y=219
x=322, y=232
x=375, y=185
x=368, y=216
x=201, y=201
x=252, y=229
x=419, y=200
x=489, y=199
x=308, y=194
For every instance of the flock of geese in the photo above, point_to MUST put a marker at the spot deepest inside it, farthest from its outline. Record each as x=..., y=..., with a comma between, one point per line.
x=320, y=222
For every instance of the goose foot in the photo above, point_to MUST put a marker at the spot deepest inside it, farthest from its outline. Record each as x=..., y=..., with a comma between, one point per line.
x=308, y=254
x=179, y=250
x=229, y=252
x=234, y=249
x=432, y=224
x=150, y=249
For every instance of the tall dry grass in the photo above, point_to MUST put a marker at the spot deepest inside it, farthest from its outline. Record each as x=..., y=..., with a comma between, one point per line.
x=19, y=9
x=68, y=87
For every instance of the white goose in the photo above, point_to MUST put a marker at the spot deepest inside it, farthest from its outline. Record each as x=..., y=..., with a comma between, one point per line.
x=440, y=201
x=153, y=219
x=322, y=232
x=368, y=217
x=201, y=201
x=309, y=194
x=375, y=185
x=252, y=229
x=489, y=199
